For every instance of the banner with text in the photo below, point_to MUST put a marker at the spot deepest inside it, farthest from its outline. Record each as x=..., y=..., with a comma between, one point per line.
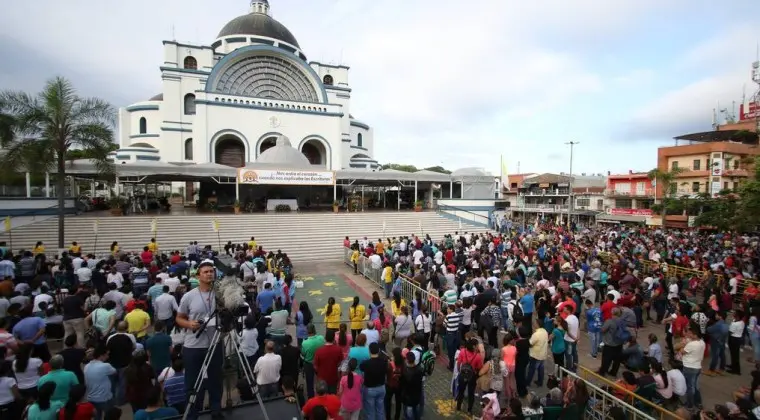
x=285, y=177
x=631, y=212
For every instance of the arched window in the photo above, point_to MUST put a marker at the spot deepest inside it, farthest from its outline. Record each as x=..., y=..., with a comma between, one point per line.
x=359, y=140
x=191, y=63
x=328, y=80
x=143, y=125
x=189, y=149
x=189, y=104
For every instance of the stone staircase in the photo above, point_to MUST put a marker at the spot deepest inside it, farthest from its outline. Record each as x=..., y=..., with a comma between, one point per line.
x=303, y=236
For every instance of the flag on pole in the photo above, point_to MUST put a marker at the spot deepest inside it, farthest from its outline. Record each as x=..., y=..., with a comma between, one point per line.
x=460, y=224
x=95, y=225
x=504, y=176
x=420, y=226
x=215, y=225
x=383, y=228
x=7, y=224
x=154, y=225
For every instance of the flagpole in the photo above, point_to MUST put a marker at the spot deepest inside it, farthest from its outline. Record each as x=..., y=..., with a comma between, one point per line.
x=501, y=176
x=9, y=229
x=95, y=246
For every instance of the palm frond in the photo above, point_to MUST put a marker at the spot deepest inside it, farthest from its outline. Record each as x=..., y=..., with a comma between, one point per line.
x=93, y=110
x=95, y=140
x=7, y=124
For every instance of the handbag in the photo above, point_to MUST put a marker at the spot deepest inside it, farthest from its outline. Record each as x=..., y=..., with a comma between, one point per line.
x=92, y=332
x=497, y=381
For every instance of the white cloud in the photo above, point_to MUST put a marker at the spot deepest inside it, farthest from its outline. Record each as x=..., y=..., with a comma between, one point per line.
x=429, y=75
x=723, y=63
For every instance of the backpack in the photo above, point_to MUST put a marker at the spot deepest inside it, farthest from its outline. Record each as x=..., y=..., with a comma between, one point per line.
x=427, y=361
x=467, y=372
x=394, y=376
x=486, y=322
x=622, y=334
x=517, y=312
x=385, y=335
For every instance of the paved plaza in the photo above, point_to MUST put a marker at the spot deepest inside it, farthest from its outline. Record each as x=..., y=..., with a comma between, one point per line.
x=323, y=280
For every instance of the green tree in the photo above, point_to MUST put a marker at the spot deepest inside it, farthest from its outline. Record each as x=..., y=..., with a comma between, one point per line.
x=748, y=211
x=720, y=212
x=50, y=124
x=666, y=180
x=400, y=167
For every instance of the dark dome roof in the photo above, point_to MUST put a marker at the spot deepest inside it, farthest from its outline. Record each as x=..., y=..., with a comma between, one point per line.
x=159, y=97
x=258, y=24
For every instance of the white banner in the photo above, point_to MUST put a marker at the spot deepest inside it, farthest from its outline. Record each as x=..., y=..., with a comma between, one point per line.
x=285, y=177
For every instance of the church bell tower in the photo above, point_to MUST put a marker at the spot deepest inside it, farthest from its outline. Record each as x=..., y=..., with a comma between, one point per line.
x=260, y=6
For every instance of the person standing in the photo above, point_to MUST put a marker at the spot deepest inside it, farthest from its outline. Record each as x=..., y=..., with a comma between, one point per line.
x=74, y=314
x=693, y=351
x=197, y=306
x=412, y=383
x=327, y=359
x=451, y=323
x=538, y=353
x=735, y=337
x=309, y=348
x=165, y=306
x=267, y=371
x=594, y=326
x=332, y=317
x=375, y=371
x=356, y=314
x=571, y=339
x=613, y=346
x=718, y=333
x=97, y=379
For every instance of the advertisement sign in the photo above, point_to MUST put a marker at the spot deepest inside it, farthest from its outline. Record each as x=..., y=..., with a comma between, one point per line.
x=631, y=212
x=717, y=164
x=749, y=111
x=285, y=177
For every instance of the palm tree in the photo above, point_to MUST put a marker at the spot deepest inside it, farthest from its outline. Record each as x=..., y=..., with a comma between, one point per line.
x=665, y=178
x=46, y=126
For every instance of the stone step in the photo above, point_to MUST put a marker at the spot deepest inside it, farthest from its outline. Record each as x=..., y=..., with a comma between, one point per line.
x=304, y=236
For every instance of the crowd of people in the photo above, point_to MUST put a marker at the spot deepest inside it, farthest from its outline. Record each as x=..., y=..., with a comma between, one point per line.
x=528, y=291
x=494, y=306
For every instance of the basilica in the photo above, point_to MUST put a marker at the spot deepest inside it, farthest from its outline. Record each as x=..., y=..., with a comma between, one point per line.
x=229, y=102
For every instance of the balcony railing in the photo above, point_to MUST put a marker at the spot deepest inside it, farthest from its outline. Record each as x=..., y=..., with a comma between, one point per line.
x=647, y=193
x=736, y=172
x=547, y=207
x=545, y=192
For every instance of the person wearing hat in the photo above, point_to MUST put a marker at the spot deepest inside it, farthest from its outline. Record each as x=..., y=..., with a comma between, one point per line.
x=196, y=307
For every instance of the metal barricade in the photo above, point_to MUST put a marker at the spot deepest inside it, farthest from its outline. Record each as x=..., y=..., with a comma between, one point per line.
x=601, y=400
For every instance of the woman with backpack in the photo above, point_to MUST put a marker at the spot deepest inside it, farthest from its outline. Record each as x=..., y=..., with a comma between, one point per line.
x=422, y=323
x=393, y=384
x=469, y=361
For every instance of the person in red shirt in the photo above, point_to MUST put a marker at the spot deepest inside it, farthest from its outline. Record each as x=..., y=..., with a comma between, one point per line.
x=607, y=307
x=146, y=256
x=330, y=402
x=175, y=257
x=470, y=356
x=77, y=408
x=327, y=359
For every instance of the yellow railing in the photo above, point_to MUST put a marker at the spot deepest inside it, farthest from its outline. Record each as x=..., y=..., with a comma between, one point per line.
x=649, y=266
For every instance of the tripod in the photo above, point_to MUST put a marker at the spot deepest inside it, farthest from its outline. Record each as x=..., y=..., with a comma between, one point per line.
x=244, y=366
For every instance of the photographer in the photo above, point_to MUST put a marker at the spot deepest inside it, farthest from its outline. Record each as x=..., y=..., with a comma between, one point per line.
x=197, y=306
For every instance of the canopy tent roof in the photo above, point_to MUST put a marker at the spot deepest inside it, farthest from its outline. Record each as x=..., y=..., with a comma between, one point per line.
x=742, y=136
x=182, y=171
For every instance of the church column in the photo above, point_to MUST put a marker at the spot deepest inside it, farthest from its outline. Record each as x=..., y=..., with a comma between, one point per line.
x=451, y=189
x=28, y=185
x=47, y=184
x=414, y=202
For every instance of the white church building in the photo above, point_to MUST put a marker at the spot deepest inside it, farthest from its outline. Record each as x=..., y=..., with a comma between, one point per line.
x=230, y=101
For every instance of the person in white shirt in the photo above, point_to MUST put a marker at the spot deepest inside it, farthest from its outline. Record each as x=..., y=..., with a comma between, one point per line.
x=173, y=282
x=672, y=289
x=84, y=274
x=115, y=277
x=373, y=335
x=692, y=354
x=163, y=275
x=376, y=261
x=422, y=323
x=77, y=262
x=417, y=256
x=42, y=297
x=267, y=371
x=249, y=340
x=735, y=334
x=166, y=307
x=571, y=339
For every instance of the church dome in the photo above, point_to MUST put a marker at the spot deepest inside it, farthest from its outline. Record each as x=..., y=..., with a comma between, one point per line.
x=258, y=24
x=284, y=153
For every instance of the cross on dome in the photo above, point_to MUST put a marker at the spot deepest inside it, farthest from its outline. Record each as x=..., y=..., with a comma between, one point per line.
x=260, y=6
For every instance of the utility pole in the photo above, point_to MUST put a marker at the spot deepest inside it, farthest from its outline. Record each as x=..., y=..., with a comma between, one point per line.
x=570, y=183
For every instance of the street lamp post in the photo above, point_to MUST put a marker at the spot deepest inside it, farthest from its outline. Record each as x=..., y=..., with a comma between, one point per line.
x=570, y=183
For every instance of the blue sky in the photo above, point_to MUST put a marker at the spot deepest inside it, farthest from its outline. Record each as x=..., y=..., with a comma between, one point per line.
x=442, y=82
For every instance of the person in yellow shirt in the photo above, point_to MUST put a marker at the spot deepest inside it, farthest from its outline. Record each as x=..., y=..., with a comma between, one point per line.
x=332, y=317
x=115, y=248
x=39, y=248
x=355, y=260
x=252, y=243
x=388, y=280
x=153, y=245
x=356, y=314
x=75, y=248
x=138, y=322
x=396, y=304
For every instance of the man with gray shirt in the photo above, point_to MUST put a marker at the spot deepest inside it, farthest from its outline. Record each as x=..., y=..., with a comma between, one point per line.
x=613, y=347
x=196, y=306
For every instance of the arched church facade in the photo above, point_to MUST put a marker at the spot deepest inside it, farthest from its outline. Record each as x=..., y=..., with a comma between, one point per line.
x=228, y=102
